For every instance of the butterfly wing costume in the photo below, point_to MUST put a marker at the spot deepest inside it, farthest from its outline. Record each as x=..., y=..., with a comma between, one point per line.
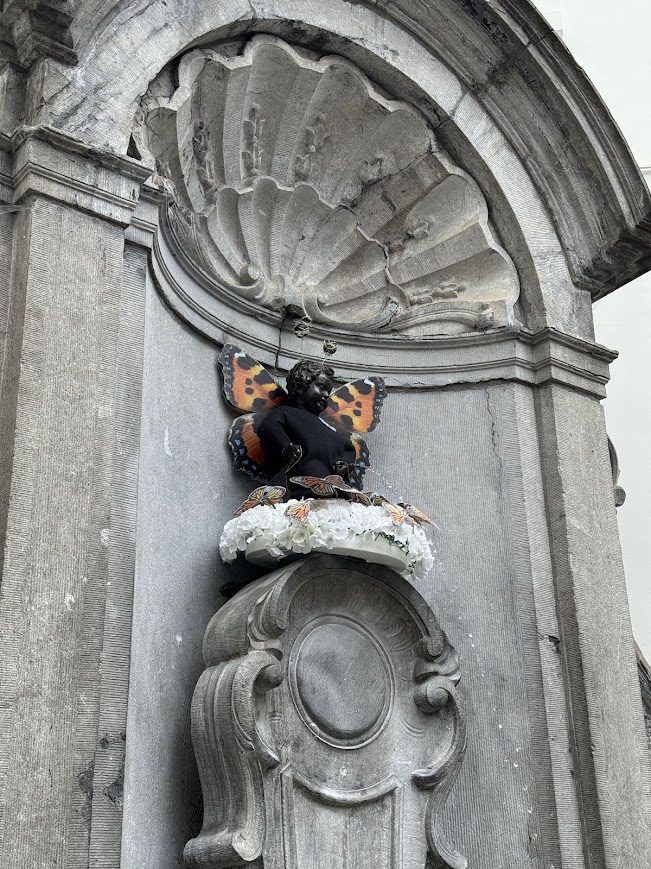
x=270, y=423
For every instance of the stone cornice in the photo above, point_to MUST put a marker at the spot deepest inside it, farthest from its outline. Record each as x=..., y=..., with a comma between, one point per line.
x=52, y=164
x=474, y=358
x=521, y=70
x=34, y=29
x=49, y=163
x=506, y=354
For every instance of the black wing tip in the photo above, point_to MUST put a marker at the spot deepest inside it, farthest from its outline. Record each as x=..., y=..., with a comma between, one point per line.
x=226, y=351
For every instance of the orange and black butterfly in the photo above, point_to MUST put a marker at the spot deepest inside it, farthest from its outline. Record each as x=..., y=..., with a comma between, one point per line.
x=330, y=485
x=250, y=389
x=356, y=406
x=323, y=486
x=318, y=485
x=262, y=496
x=400, y=512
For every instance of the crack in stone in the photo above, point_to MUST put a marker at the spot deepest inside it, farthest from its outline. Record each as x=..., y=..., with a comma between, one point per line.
x=494, y=440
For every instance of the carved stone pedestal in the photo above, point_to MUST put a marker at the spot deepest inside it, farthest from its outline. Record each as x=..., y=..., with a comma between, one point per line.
x=327, y=725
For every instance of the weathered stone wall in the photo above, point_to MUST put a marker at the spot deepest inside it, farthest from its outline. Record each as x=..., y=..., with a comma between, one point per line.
x=115, y=479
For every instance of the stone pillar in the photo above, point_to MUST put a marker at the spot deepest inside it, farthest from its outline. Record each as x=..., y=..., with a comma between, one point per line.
x=67, y=455
x=610, y=758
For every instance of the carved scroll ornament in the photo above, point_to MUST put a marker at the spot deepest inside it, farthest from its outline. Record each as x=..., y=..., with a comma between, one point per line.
x=327, y=726
x=296, y=184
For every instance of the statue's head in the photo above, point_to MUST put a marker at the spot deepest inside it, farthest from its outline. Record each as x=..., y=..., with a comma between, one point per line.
x=309, y=384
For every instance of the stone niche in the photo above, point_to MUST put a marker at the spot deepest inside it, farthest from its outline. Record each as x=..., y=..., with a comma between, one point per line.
x=327, y=725
x=295, y=185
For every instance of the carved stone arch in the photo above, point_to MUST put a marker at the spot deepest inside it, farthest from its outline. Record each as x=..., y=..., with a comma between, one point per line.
x=505, y=98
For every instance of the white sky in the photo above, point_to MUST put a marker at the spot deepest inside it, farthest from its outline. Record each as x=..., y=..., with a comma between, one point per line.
x=612, y=42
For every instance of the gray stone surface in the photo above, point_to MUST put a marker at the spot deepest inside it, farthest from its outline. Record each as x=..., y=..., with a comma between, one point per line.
x=500, y=436
x=486, y=586
x=187, y=491
x=327, y=724
x=7, y=365
x=595, y=623
x=54, y=581
x=322, y=195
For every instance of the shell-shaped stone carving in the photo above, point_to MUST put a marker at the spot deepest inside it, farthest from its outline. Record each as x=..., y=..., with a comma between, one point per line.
x=297, y=184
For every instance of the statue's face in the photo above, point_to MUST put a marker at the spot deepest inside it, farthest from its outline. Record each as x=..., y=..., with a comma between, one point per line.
x=315, y=396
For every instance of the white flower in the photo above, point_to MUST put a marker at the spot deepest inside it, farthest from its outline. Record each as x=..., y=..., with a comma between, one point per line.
x=328, y=524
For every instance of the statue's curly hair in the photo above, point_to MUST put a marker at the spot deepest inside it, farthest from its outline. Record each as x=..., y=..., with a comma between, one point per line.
x=303, y=373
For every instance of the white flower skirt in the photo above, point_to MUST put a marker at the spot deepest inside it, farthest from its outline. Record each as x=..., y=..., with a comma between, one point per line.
x=266, y=535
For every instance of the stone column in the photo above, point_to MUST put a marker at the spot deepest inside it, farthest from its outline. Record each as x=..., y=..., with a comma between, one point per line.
x=68, y=453
x=610, y=759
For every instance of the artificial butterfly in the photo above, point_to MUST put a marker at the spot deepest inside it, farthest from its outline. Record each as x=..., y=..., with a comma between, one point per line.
x=318, y=485
x=398, y=515
x=250, y=389
x=299, y=511
x=416, y=515
x=375, y=499
x=262, y=496
x=324, y=486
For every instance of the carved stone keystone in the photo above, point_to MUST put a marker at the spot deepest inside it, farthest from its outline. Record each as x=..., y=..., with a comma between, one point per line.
x=327, y=725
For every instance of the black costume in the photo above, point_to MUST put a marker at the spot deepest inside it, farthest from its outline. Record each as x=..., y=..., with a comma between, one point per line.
x=322, y=446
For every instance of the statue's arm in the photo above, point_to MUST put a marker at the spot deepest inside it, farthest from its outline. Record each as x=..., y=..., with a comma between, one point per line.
x=344, y=465
x=273, y=432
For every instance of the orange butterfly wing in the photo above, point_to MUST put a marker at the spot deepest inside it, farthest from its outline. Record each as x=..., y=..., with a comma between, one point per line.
x=266, y=495
x=419, y=517
x=338, y=482
x=360, y=498
x=248, y=453
x=362, y=459
x=318, y=485
x=247, y=384
x=298, y=511
x=398, y=515
x=356, y=406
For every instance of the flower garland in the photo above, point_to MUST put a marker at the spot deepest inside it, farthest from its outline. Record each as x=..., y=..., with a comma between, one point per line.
x=339, y=523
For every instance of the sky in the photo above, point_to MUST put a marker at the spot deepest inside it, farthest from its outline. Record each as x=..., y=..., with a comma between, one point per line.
x=611, y=40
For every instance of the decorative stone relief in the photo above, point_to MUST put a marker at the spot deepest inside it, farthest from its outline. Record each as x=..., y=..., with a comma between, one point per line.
x=298, y=186
x=328, y=727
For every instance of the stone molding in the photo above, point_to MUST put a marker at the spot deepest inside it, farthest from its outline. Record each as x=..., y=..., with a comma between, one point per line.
x=266, y=694
x=644, y=674
x=511, y=353
x=498, y=67
x=34, y=29
x=49, y=163
x=45, y=162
